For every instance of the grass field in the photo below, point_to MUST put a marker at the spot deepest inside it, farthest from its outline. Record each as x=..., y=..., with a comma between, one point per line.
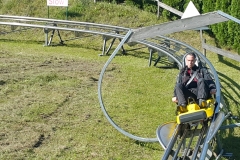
x=50, y=110
x=49, y=106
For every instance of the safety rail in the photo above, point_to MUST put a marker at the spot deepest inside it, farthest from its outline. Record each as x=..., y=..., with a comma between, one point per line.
x=52, y=25
x=24, y=19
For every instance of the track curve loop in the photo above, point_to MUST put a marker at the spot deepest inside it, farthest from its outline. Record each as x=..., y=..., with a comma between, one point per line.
x=171, y=48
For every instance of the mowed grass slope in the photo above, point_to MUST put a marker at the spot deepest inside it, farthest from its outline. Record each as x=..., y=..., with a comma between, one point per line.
x=50, y=109
x=49, y=98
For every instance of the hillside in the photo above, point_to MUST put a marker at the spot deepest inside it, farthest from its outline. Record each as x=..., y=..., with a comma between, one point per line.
x=49, y=104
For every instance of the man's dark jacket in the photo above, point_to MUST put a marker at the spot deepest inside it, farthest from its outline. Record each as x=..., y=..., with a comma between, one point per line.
x=202, y=72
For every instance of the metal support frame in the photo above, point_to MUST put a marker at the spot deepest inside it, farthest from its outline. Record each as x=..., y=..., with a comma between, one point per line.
x=151, y=51
x=105, y=39
x=165, y=44
x=46, y=31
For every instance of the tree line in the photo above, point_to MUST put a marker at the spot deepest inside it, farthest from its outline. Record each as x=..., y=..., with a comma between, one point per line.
x=226, y=34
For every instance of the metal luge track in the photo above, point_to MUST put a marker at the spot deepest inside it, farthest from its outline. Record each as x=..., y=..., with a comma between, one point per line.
x=187, y=141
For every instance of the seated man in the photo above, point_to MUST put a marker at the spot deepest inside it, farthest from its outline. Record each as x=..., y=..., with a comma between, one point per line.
x=193, y=81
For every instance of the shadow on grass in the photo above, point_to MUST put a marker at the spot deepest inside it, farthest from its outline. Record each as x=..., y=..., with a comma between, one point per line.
x=164, y=62
x=24, y=41
x=233, y=86
x=147, y=145
x=231, y=145
x=53, y=44
x=220, y=57
x=231, y=96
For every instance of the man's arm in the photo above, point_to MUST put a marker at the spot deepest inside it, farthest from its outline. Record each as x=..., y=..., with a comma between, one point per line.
x=178, y=80
x=174, y=99
x=209, y=81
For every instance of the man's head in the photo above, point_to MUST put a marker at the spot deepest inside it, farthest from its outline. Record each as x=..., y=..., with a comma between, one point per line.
x=190, y=60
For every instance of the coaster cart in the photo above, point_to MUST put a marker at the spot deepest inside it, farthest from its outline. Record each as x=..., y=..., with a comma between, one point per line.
x=193, y=134
x=194, y=113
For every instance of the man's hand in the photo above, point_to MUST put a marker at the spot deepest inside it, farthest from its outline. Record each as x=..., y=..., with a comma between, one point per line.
x=174, y=99
x=213, y=91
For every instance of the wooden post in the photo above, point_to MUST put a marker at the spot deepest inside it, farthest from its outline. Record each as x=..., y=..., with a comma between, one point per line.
x=201, y=39
x=204, y=50
x=201, y=34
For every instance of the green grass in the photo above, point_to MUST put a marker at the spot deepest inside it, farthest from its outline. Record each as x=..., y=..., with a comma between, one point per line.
x=51, y=97
x=48, y=95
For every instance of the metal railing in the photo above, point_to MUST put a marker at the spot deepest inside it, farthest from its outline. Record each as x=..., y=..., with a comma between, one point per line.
x=52, y=25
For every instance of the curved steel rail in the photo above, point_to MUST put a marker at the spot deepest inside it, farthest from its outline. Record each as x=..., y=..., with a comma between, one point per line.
x=176, y=55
